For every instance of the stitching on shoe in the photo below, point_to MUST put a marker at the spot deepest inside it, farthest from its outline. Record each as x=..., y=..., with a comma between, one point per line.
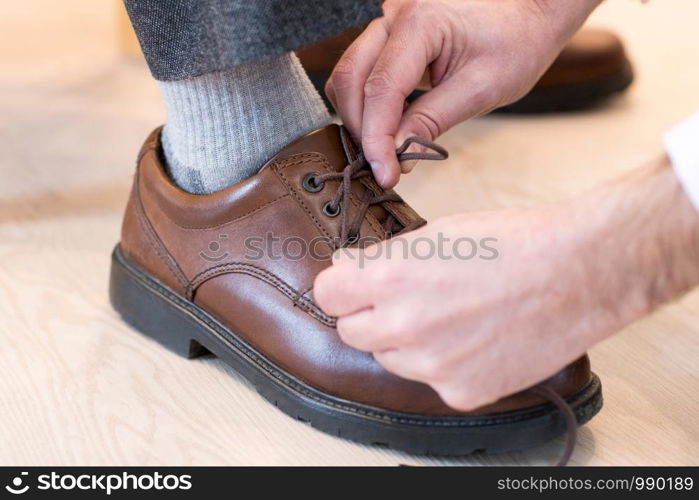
x=586, y=408
x=231, y=221
x=304, y=292
x=303, y=303
x=153, y=239
x=298, y=198
x=297, y=298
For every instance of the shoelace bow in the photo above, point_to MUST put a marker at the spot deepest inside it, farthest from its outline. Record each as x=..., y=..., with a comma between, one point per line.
x=349, y=231
x=340, y=203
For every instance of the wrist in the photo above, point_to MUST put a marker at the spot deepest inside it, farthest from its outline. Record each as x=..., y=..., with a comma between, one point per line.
x=554, y=24
x=566, y=16
x=640, y=241
x=670, y=244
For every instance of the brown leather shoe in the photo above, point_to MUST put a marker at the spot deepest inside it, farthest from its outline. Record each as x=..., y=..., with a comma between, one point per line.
x=232, y=273
x=589, y=70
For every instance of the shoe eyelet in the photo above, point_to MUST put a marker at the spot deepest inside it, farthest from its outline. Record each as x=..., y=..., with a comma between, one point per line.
x=353, y=239
x=310, y=185
x=328, y=210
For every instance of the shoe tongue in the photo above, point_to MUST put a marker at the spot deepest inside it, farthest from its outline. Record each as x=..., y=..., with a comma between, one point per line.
x=332, y=141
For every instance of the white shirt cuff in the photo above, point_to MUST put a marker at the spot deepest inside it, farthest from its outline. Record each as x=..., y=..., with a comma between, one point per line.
x=682, y=146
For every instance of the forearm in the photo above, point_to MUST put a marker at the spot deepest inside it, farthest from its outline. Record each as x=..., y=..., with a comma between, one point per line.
x=641, y=241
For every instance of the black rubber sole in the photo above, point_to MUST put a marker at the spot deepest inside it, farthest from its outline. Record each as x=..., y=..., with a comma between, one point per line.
x=157, y=311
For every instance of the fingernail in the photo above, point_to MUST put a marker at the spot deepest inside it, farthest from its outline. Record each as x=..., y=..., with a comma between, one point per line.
x=379, y=171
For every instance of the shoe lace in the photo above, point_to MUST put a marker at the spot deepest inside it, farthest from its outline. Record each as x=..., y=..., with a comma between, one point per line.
x=546, y=392
x=359, y=168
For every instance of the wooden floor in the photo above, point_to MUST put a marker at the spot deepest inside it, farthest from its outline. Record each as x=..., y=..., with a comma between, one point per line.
x=77, y=386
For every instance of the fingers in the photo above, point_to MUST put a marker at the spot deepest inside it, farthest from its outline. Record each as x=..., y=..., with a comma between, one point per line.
x=366, y=330
x=371, y=81
x=341, y=290
x=345, y=88
x=359, y=331
x=397, y=71
x=412, y=363
x=451, y=102
x=350, y=284
x=446, y=380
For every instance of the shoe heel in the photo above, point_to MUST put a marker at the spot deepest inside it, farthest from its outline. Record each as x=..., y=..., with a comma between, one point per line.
x=142, y=306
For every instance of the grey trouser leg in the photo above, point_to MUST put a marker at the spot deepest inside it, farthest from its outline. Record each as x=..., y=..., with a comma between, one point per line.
x=185, y=38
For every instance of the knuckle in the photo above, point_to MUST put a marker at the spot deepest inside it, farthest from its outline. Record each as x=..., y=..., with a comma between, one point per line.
x=382, y=277
x=432, y=368
x=387, y=360
x=344, y=73
x=387, y=279
x=374, y=146
x=400, y=330
x=456, y=397
x=375, y=24
x=487, y=98
x=322, y=289
x=411, y=8
x=319, y=288
x=378, y=85
x=421, y=14
x=329, y=89
x=344, y=330
x=542, y=9
x=429, y=122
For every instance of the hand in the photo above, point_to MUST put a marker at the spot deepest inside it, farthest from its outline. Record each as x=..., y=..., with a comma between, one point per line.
x=480, y=55
x=563, y=278
x=474, y=329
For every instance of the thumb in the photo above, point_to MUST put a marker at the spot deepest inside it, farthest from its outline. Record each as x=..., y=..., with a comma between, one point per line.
x=446, y=105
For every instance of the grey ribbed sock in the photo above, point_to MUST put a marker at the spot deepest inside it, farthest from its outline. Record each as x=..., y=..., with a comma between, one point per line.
x=221, y=127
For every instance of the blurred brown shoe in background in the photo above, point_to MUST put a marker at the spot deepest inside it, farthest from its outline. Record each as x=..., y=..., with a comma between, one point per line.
x=590, y=69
